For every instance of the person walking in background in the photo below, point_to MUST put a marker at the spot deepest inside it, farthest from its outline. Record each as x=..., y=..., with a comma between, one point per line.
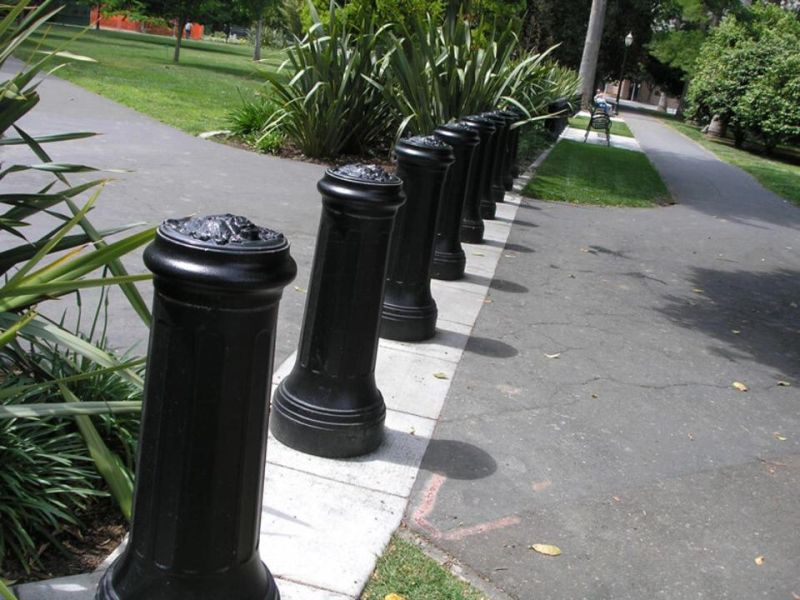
x=187, y=30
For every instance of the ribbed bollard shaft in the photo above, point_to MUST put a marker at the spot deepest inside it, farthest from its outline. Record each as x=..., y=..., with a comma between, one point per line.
x=329, y=405
x=498, y=190
x=200, y=473
x=508, y=155
x=478, y=190
x=449, y=260
x=409, y=311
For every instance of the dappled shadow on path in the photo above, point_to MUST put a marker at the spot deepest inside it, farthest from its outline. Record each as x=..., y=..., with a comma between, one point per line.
x=753, y=315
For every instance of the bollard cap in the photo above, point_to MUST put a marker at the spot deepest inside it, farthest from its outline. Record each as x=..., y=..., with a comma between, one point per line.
x=458, y=134
x=364, y=189
x=425, y=150
x=480, y=122
x=228, y=252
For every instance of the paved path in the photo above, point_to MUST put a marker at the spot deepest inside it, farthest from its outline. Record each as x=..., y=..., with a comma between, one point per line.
x=628, y=447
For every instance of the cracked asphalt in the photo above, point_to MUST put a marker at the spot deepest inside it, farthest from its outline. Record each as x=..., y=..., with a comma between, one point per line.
x=594, y=406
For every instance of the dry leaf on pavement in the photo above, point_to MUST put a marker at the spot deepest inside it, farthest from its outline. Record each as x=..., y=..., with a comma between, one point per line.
x=546, y=549
x=779, y=437
x=784, y=383
x=556, y=355
x=394, y=597
x=440, y=375
x=760, y=560
x=740, y=386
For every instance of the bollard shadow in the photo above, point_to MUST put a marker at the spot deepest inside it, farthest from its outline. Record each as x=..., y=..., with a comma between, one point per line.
x=752, y=315
x=457, y=460
x=501, y=285
x=510, y=246
x=475, y=344
x=521, y=222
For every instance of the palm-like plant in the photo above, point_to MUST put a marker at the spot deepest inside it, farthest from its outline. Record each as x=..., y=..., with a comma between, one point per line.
x=64, y=260
x=330, y=104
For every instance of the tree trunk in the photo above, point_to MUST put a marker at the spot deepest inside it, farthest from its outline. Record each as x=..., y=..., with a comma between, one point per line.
x=259, y=32
x=97, y=22
x=591, y=49
x=179, y=38
x=682, y=99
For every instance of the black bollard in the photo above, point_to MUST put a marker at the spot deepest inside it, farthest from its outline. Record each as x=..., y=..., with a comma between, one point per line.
x=329, y=405
x=508, y=157
x=200, y=475
x=409, y=311
x=498, y=159
x=515, y=137
x=479, y=190
x=449, y=260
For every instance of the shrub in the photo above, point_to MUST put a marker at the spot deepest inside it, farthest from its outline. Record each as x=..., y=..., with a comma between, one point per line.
x=749, y=76
x=251, y=115
x=332, y=104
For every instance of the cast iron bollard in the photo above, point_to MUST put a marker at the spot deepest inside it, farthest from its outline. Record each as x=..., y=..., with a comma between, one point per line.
x=498, y=188
x=329, y=405
x=479, y=189
x=449, y=260
x=508, y=157
x=555, y=125
x=200, y=475
x=409, y=311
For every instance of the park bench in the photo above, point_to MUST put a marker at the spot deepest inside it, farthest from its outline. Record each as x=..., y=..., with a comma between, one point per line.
x=600, y=121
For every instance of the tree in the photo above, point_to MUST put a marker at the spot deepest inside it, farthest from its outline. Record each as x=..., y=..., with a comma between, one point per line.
x=255, y=10
x=750, y=76
x=178, y=11
x=591, y=50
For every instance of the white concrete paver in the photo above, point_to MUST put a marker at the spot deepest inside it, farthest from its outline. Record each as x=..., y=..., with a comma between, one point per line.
x=327, y=521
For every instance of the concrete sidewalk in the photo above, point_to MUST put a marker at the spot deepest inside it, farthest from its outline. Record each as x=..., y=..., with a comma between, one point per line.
x=601, y=398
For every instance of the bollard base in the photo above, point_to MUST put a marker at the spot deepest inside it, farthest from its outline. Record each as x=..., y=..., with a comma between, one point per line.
x=508, y=182
x=498, y=194
x=139, y=580
x=448, y=266
x=488, y=211
x=327, y=432
x=408, y=323
x=472, y=232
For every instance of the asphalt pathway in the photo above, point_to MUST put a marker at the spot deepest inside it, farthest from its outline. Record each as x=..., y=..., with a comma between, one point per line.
x=594, y=407
x=169, y=174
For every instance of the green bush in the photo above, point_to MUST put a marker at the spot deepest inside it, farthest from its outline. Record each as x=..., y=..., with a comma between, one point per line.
x=252, y=115
x=332, y=103
x=355, y=12
x=750, y=76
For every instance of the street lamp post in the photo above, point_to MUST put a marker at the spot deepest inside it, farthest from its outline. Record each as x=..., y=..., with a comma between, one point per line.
x=628, y=42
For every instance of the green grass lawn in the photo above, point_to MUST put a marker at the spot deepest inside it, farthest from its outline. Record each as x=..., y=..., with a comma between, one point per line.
x=590, y=174
x=781, y=177
x=406, y=571
x=617, y=127
x=137, y=70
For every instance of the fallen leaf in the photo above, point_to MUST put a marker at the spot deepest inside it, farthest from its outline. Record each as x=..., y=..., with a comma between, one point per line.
x=556, y=355
x=572, y=276
x=616, y=498
x=440, y=375
x=488, y=301
x=779, y=437
x=740, y=386
x=697, y=290
x=394, y=597
x=541, y=486
x=546, y=549
x=299, y=289
x=594, y=395
x=784, y=384
x=760, y=560
x=478, y=254
x=736, y=331
x=510, y=255
x=793, y=304
x=691, y=437
x=584, y=250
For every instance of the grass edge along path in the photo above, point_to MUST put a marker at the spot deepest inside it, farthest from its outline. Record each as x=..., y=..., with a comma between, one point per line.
x=136, y=70
x=591, y=174
x=407, y=572
x=779, y=177
x=617, y=127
